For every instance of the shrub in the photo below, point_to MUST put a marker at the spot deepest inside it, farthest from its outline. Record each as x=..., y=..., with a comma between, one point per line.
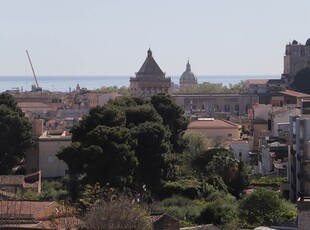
x=190, y=188
x=264, y=207
x=53, y=190
x=117, y=214
x=181, y=208
x=222, y=210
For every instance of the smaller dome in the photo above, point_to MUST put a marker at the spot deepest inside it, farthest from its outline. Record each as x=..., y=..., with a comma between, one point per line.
x=308, y=42
x=188, y=75
x=295, y=42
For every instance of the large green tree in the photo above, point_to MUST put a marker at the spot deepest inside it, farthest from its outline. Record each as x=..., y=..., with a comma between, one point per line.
x=173, y=117
x=126, y=143
x=153, y=146
x=15, y=134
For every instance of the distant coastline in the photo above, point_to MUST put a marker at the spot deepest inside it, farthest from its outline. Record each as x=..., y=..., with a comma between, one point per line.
x=64, y=83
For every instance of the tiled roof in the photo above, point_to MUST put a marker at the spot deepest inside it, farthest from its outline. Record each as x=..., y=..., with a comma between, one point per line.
x=212, y=124
x=294, y=93
x=150, y=67
x=258, y=81
x=12, y=180
x=236, y=142
x=25, y=105
x=265, y=81
x=155, y=217
x=76, y=113
x=22, y=209
x=275, y=81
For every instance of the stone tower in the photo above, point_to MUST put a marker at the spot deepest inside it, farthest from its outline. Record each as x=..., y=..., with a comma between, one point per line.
x=150, y=79
x=297, y=57
x=188, y=78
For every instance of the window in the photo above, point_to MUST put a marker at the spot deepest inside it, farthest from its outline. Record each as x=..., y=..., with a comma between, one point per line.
x=294, y=127
x=50, y=159
x=237, y=107
x=216, y=107
x=227, y=108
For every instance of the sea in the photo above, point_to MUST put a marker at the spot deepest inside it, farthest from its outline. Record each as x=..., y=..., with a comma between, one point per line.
x=68, y=83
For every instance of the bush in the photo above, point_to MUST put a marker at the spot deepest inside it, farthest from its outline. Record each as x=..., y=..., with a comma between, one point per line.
x=190, y=188
x=181, y=208
x=222, y=210
x=264, y=207
x=118, y=214
x=53, y=190
x=269, y=180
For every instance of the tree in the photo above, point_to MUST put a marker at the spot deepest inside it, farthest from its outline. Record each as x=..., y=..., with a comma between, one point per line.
x=234, y=173
x=220, y=162
x=106, y=156
x=196, y=144
x=118, y=214
x=238, y=88
x=173, y=117
x=214, y=88
x=220, y=211
x=114, y=89
x=301, y=82
x=126, y=143
x=152, y=147
x=264, y=207
x=15, y=134
x=9, y=101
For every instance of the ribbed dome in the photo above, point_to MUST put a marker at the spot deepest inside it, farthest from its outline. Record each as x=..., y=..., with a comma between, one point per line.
x=308, y=42
x=188, y=75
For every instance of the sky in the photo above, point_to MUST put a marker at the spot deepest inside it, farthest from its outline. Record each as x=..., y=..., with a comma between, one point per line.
x=111, y=37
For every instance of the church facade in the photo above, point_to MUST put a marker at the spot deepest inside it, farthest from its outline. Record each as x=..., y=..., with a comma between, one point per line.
x=150, y=79
x=297, y=57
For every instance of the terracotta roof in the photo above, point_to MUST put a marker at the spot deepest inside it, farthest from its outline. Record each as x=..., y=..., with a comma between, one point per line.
x=237, y=142
x=12, y=180
x=25, y=105
x=294, y=93
x=258, y=81
x=212, y=124
x=155, y=217
x=22, y=209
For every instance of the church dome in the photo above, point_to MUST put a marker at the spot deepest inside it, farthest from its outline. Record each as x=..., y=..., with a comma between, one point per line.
x=308, y=42
x=188, y=75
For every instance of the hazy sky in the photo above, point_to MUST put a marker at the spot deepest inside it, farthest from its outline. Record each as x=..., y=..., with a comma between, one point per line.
x=111, y=37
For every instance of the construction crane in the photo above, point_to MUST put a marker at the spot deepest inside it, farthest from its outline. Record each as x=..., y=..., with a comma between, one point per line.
x=35, y=87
